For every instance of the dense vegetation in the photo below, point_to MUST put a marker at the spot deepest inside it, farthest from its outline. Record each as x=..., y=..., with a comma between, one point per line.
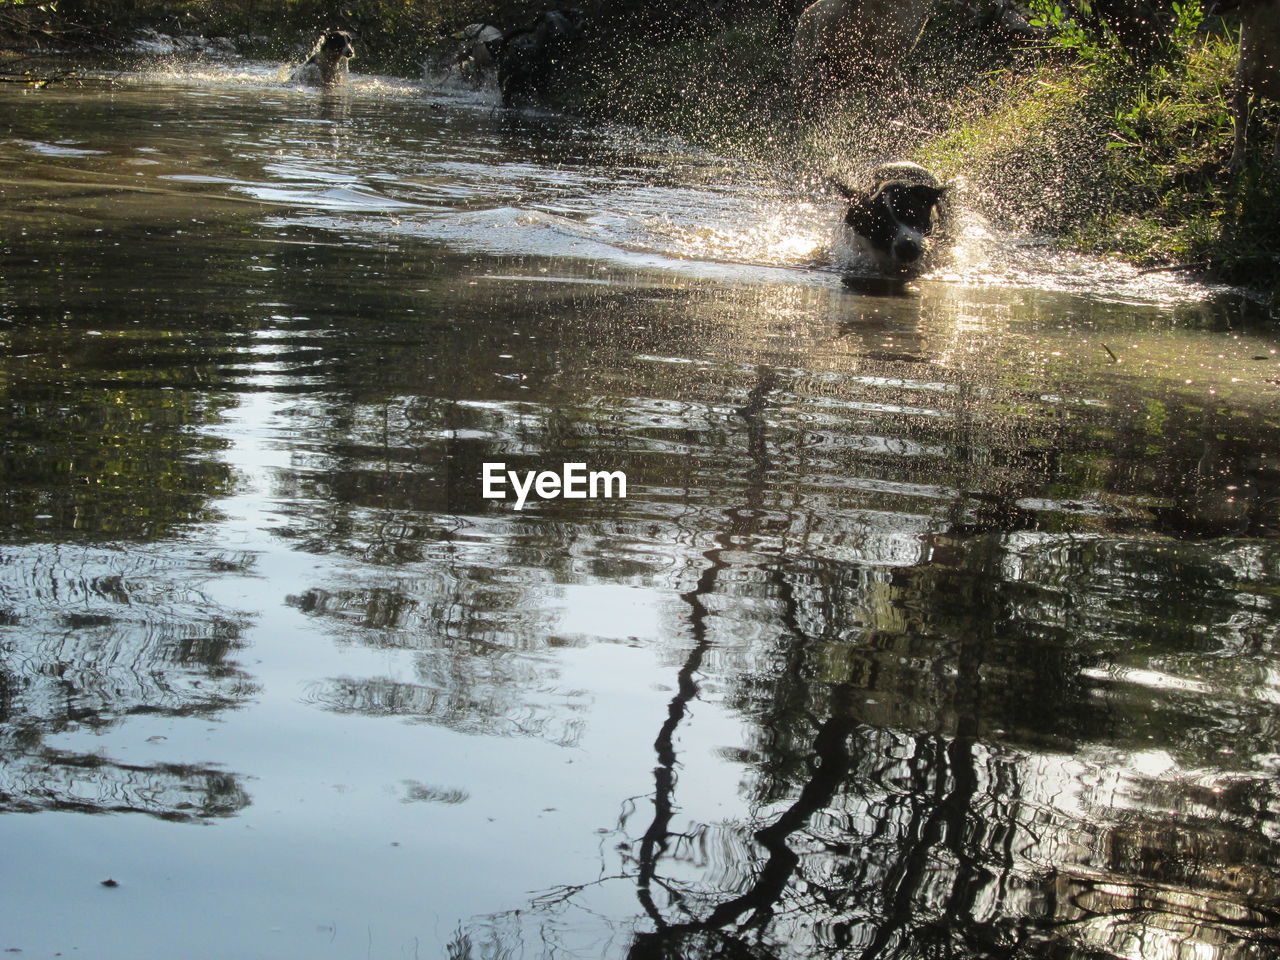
x=1110, y=127
x=1123, y=147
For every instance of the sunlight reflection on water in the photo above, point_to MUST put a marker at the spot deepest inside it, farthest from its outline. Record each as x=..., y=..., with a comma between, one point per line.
x=938, y=621
x=705, y=212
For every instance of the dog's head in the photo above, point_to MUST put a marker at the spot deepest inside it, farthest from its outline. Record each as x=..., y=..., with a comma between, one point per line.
x=897, y=217
x=905, y=214
x=335, y=45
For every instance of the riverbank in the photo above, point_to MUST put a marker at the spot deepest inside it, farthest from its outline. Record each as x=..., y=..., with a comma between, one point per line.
x=1070, y=134
x=1126, y=158
x=1114, y=154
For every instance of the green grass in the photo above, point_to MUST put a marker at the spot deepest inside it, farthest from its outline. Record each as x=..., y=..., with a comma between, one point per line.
x=1128, y=160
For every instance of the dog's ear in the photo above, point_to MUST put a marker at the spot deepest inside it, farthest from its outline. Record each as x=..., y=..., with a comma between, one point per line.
x=842, y=188
x=865, y=217
x=933, y=195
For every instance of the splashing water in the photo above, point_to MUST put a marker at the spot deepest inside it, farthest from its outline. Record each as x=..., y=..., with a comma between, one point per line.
x=379, y=157
x=964, y=598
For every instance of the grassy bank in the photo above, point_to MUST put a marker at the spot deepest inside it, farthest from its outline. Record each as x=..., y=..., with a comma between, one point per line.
x=1126, y=157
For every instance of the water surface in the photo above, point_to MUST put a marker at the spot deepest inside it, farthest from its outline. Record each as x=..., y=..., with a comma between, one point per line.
x=937, y=622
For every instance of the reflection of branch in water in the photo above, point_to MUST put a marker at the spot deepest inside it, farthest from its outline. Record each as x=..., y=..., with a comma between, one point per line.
x=831, y=751
x=567, y=891
x=654, y=842
x=832, y=756
x=940, y=815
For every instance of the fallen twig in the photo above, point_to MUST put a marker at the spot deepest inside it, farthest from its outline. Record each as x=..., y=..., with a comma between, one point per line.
x=35, y=80
x=1168, y=268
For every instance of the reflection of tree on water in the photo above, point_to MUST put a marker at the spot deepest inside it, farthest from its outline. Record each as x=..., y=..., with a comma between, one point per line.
x=945, y=844
x=91, y=638
x=475, y=668
x=989, y=698
x=986, y=754
x=772, y=879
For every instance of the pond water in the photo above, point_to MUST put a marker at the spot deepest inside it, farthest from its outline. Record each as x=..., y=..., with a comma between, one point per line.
x=936, y=623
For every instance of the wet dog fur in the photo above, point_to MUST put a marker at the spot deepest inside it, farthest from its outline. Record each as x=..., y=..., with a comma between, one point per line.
x=327, y=64
x=899, y=220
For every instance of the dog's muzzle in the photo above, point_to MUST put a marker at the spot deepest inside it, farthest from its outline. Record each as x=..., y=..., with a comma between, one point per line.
x=907, y=249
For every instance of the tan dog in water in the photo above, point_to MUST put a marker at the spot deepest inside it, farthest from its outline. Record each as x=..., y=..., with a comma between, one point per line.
x=838, y=40
x=1258, y=73
x=475, y=60
x=327, y=63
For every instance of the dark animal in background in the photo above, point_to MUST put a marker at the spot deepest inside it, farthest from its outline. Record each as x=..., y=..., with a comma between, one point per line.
x=1258, y=73
x=327, y=64
x=838, y=41
x=1002, y=19
x=898, y=219
x=531, y=59
x=476, y=61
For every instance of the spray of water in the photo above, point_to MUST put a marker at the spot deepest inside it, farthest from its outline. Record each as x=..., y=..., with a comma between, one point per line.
x=655, y=199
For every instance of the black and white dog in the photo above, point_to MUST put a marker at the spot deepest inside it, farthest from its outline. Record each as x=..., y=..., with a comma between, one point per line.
x=529, y=58
x=327, y=64
x=897, y=221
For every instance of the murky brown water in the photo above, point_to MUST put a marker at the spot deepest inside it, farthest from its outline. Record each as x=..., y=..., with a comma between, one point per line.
x=938, y=624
